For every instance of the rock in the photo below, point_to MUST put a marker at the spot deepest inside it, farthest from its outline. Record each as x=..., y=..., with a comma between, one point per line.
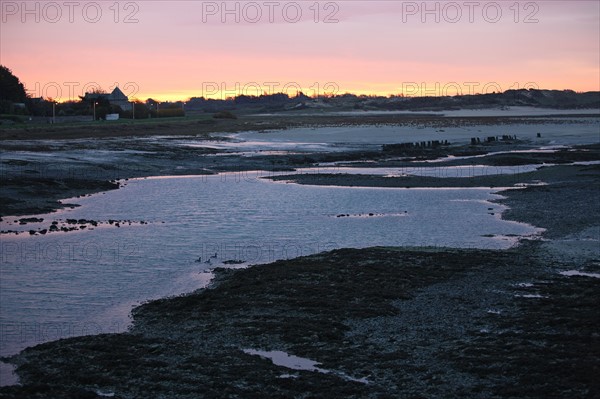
x=30, y=220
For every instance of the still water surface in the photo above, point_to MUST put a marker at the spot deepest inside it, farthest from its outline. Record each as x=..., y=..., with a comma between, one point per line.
x=84, y=282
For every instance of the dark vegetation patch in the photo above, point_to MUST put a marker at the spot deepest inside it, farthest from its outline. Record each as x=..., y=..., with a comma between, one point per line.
x=549, y=347
x=22, y=195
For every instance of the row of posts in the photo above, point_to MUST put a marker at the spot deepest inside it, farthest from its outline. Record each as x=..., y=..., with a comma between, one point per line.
x=423, y=144
x=491, y=139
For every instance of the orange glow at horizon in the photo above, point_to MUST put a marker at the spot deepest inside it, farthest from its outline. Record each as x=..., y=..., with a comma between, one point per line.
x=370, y=50
x=408, y=90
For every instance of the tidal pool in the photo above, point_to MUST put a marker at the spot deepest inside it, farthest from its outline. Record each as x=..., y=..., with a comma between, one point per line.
x=60, y=285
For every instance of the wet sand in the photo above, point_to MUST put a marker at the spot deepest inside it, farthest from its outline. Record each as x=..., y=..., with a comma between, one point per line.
x=205, y=125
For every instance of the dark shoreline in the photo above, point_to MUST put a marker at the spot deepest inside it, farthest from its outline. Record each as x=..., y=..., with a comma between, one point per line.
x=415, y=322
x=206, y=126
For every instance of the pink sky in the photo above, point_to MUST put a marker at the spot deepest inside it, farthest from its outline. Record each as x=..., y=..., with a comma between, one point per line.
x=174, y=50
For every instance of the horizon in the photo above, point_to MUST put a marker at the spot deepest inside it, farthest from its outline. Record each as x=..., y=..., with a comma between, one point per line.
x=293, y=95
x=226, y=49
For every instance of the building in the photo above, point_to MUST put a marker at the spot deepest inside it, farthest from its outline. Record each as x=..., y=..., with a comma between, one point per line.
x=117, y=97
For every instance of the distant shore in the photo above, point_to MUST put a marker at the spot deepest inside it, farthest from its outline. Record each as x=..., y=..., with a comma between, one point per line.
x=206, y=125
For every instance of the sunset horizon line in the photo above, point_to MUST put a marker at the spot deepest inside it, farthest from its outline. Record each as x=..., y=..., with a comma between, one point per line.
x=169, y=97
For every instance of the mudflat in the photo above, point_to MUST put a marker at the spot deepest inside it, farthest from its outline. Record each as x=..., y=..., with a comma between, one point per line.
x=382, y=322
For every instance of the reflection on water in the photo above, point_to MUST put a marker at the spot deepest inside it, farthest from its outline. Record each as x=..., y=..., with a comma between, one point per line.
x=59, y=285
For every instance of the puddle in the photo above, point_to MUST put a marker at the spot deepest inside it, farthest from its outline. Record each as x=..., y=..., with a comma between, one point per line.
x=570, y=273
x=7, y=375
x=283, y=359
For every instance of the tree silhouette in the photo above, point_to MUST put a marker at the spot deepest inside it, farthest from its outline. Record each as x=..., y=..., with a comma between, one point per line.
x=11, y=88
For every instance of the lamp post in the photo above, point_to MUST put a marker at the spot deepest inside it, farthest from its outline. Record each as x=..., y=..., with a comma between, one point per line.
x=95, y=110
x=133, y=110
x=53, y=112
x=157, y=103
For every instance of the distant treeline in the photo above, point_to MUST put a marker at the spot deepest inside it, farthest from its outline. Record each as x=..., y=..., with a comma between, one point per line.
x=559, y=99
x=15, y=101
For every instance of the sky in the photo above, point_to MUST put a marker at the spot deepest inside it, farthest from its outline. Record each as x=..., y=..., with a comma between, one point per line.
x=174, y=50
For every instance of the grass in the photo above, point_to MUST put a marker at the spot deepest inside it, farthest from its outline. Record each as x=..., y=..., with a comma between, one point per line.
x=102, y=123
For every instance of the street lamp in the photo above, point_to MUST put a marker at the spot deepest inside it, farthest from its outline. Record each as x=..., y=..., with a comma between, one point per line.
x=133, y=110
x=95, y=110
x=157, y=103
x=53, y=112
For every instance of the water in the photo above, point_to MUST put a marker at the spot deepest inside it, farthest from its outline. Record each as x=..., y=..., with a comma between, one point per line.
x=85, y=282
x=465, y=171
x=553, y=131
x=61, y=285
x=280, y=358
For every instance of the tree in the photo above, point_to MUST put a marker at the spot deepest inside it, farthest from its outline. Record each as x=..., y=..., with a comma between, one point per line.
x=141, y=111
x=11, y=88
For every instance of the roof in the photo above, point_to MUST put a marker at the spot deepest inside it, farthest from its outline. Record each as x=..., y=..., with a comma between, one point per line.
x=117, y=95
